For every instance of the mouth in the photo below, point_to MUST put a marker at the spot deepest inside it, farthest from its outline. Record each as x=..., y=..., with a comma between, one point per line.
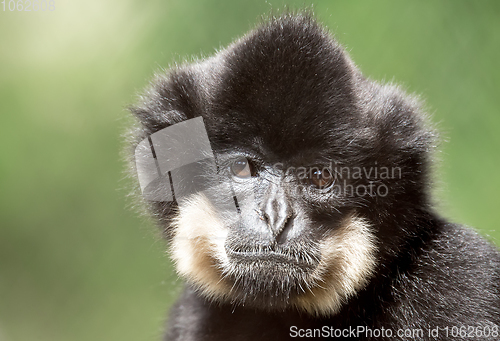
x=269, y=277
x=273, y=258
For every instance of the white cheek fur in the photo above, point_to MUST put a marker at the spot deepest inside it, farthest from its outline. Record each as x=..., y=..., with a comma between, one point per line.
x=347, y=258
x=198, y=246
x=347, y=262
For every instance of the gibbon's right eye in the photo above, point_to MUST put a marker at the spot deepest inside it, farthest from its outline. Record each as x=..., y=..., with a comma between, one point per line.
x=321, y=178
x=242, y=168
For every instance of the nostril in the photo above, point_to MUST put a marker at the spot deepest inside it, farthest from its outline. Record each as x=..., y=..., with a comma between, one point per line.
x=266, y=218
x=282, y=235
x=263, y=216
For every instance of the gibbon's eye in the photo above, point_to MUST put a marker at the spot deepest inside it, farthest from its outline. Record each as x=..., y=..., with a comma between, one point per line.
x=321, y=178
x=242, y=168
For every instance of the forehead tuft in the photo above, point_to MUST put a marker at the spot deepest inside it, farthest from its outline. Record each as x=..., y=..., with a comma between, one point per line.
x=287, y=82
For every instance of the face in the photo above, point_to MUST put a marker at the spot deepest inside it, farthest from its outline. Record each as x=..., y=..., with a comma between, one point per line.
x=291, y=239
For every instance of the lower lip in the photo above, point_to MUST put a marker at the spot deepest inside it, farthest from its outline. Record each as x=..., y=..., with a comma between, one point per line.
x=266, y=256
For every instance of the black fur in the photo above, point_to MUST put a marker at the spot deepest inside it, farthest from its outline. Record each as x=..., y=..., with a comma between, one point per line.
x=287, y=92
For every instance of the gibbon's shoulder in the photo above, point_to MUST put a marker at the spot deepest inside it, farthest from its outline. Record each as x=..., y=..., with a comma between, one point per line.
x=453, y=281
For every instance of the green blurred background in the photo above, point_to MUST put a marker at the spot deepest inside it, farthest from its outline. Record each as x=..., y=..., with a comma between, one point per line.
x=76, y=263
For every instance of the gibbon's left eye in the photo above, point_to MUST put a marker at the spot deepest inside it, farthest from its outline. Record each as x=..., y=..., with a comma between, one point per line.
x=321, y=178
x=242, y=168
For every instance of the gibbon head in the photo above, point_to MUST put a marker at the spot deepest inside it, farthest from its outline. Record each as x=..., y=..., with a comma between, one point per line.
x=277, y=169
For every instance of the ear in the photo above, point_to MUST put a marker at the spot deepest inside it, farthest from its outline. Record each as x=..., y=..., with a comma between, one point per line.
x=401, y=124
x=402, y=138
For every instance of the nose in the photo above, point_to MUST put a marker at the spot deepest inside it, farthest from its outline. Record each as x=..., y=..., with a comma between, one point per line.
x=276, y=210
